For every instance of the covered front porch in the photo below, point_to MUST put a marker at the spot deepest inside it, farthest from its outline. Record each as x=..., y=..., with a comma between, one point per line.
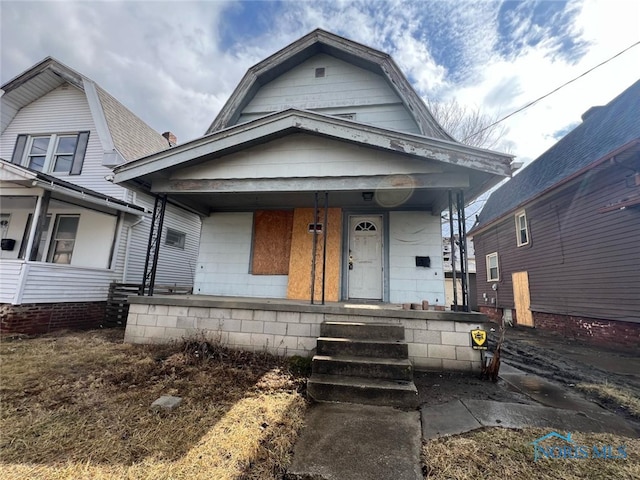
x=437, y=340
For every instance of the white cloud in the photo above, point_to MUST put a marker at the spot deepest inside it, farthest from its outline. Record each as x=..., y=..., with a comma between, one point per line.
x=164, y=60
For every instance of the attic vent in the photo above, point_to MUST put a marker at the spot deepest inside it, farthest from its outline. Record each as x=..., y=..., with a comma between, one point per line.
x=320, y=72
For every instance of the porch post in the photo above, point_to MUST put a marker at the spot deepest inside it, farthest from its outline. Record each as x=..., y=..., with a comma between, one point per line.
x=452, y=242
x=153, y=247
x=324, y=246
x=38, y=223
x=463, y=249
x=315, y=246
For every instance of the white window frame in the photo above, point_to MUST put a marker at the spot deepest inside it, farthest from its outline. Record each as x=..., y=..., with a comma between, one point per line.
x=180, y=244
x=51, y=154
x=51, y=247
x=489, y=267
x=519, y=229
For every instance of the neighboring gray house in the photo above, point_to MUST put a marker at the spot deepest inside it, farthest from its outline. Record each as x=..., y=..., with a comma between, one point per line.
x=61, y=135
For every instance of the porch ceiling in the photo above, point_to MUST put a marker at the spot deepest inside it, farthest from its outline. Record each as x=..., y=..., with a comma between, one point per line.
x=422, y=199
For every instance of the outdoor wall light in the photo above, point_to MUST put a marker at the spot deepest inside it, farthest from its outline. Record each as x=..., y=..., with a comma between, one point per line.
x=367, y=196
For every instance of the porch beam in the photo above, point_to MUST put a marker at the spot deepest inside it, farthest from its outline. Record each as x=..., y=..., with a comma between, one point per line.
x=372, y=183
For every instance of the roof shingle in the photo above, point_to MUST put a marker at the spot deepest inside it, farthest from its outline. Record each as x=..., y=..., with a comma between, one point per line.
x=603, y=130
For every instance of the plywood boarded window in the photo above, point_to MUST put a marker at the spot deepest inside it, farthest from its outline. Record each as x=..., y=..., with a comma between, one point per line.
x=271, y=242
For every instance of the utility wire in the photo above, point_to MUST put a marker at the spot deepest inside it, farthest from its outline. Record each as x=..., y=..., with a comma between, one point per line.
x=551, y=92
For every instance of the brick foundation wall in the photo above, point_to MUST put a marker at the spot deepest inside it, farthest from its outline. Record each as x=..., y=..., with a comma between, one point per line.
x=35, y=318
x=589, y=330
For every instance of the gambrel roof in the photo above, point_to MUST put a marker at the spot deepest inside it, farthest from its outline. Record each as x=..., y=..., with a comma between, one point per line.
x=605, y=130
x=121, y=129
x=320, y=41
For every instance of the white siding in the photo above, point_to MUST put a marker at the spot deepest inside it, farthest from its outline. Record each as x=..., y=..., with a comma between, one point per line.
x=414, y=234
x=63, y=110
x=223, y=263
x=302, y=155
x=47, y=282
x=176, y=266
x=345, y=88
x=9, y=277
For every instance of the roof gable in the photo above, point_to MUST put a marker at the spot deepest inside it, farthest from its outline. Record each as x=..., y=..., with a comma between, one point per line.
x=603, y=130
x=124, y=131
x=322, y=42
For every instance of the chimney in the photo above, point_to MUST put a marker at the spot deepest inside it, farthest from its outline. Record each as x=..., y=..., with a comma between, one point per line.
x=171, y=138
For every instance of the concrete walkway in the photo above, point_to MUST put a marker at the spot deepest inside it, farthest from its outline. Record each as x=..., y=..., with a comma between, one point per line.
x=343, y=441
x=460, y=416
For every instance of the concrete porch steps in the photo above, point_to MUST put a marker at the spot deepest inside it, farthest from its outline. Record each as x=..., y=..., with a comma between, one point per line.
x=362, y=363
x=362, y=347
x=368, y=391
x=372, y=367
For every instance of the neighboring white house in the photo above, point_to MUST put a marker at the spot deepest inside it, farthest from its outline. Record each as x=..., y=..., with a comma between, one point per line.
x=325, y=115
x=67, y=230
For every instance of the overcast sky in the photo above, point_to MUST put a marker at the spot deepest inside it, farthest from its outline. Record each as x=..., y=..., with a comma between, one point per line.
x=174, y=64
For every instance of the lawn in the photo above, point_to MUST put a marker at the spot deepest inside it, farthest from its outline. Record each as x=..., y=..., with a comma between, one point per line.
x=77, y=405
x=503, y=453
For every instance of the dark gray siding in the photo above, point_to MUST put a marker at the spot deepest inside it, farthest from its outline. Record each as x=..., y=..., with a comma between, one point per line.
x=580, y=262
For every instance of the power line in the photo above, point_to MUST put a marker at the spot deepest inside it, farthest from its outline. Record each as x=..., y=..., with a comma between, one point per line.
x=551, y=92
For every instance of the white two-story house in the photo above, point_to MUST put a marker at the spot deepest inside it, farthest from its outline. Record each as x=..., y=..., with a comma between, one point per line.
x=67, y=230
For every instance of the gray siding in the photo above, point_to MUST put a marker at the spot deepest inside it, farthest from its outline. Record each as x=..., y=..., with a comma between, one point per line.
x=580, y=262
x=176, y=266
x=345, y=88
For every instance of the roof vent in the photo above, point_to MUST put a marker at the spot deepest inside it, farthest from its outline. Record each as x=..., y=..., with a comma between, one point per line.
x=320, y=72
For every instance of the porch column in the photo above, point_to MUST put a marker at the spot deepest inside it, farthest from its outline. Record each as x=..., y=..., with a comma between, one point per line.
x=452, y=242
x=38, y=223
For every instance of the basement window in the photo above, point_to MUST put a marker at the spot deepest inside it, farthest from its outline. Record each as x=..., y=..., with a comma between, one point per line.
x=174, y=238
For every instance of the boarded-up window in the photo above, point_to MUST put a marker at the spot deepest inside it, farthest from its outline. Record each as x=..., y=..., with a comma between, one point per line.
x=271, y=242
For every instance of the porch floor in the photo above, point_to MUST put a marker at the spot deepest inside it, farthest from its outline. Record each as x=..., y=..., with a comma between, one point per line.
x=355, y=308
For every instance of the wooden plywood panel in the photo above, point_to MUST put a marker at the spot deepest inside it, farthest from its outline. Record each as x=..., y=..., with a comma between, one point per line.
x=271, y=242
x=522, y=299
x=300, y=263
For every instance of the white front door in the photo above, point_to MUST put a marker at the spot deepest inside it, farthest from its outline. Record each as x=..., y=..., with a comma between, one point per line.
x=365, y=257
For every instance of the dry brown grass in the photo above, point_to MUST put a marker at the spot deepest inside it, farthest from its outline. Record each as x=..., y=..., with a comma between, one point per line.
x=613, y=395
x=502, y=453
x=77, y=406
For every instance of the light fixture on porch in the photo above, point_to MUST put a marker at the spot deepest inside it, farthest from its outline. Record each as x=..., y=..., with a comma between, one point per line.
x=367, y=196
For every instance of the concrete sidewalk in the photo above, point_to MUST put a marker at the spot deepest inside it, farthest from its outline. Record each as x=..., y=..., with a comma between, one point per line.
x=460, y=416
x=343, y=441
